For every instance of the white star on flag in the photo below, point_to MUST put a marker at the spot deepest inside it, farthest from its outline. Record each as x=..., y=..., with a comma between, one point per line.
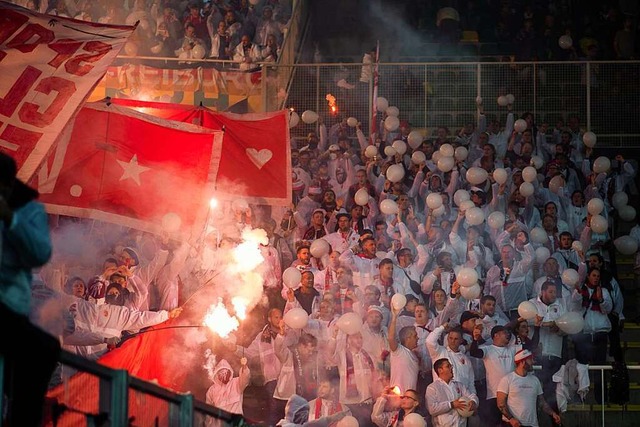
x=132, y=169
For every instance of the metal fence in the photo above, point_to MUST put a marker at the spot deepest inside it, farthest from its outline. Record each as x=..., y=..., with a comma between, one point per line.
x=104, y=396
x=604, y=96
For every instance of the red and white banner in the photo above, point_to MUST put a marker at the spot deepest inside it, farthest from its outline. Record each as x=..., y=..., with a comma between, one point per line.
x=255, y=161
x=49, y=66
x=118, y=165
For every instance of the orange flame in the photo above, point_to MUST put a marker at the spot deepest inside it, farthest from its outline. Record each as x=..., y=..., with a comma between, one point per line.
x=333, y=106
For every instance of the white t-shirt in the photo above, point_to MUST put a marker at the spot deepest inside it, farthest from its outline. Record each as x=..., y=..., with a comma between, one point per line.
x=404, y=368
x=498, y=361
x=522, y=395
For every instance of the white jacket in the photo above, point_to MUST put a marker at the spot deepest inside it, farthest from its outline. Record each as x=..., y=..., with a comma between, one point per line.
x=439, y=397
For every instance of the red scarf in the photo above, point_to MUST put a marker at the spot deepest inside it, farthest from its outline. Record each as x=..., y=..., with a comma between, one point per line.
x=334, y=407
x=352, y=387
x=589, y=301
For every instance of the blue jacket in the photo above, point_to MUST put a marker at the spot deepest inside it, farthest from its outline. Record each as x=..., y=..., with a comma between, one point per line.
x=25, y=244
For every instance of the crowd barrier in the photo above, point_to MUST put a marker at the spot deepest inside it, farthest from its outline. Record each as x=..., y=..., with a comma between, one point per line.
x=119, y=399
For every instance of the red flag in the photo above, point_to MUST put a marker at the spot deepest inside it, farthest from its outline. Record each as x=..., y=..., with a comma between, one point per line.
x=49, y=66
x=255, y=161
x=118, y=165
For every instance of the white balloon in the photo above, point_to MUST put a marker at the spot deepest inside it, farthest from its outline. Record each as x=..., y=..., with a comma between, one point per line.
x=619, y=199
x=571, y=322
x=389, y=151
x=500, y=175
x=467, y=277
x=392, y=111
x=466, y=412
x=395, y=173
x=529, y=174
x=349, y=323
x=577, y=246
x=589, y=139
x=460, y=196
x=447, y=150
x=476, y=175
x=296, y=318
x=599, y=224
x=319, y=248
x=391, y=123
x=538, y=235
x=352, y=122
x=198, y=51
x=470, y=292
x=291, y=277
x=438, y=212
x=348, y=421
x=537, y=162
x=446, y=163
x=371, y=151
x=398, y=301
x=595, y=206
x=526, y=189
x=542, y=254
x=436, y=156
x=434, y=201
x=520, y=125
x=502, y=101
x=565, y=41
x=461, y=154
x=465, y=205
x=570, y=277
x=388, y=207
x=474, y=216
x=415, y=139
x=555, y=183
x=382, y=104
x=627, y=213
x=414, y=420
x=361, y=197
x=294, y=119
x=510, y=98
x=601, y=164
x=527, y=310
x=418, y=157
x=626, y=245
x=400, y=146
x=309, y=117
x=496, y=220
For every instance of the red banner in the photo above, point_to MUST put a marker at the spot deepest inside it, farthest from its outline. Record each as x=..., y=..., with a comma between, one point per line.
x=255, y=160
x=49, y=66
x=118, y=165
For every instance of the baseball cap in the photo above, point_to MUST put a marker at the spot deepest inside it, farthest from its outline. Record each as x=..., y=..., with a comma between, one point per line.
x=467, y=315
x=521, y=355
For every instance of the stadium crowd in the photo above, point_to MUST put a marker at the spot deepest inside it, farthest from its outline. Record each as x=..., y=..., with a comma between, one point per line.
x=240, y=31
x=431, y=245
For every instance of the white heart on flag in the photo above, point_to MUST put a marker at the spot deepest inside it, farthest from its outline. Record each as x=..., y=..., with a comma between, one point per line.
x=259, y=158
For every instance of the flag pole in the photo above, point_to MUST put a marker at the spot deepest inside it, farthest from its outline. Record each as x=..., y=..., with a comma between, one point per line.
x=374, y=111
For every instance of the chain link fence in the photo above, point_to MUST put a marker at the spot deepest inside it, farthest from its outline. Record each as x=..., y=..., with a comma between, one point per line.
x=603, y=96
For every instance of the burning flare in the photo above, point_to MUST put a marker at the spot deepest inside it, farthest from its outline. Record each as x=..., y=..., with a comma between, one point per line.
x=333, y=107
x=220, y=321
